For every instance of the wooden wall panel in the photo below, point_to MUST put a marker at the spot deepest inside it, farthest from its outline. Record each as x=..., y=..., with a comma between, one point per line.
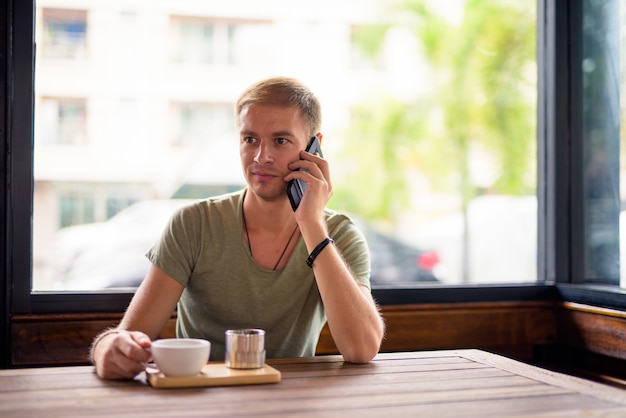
x=504, y=326
x=594, y=329
x=463, y=325
x=62, y=339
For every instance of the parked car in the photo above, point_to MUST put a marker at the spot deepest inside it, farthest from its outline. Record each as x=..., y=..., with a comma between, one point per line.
x=395, y=262
x=111, y=254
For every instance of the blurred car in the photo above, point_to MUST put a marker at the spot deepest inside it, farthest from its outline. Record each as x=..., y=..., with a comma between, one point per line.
x=111, y=254
x=395, y=262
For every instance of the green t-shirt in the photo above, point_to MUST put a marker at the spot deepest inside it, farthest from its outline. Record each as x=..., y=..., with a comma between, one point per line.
x=203, y=248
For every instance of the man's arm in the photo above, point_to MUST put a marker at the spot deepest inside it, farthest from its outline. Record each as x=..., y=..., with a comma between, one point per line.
x=122, y=353
x=353, y=317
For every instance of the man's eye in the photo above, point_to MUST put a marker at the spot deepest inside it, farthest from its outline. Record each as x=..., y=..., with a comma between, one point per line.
x=249, y=140
x=281, y=141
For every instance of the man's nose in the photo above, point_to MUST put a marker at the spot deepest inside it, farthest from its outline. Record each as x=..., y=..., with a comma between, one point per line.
x=263, y=154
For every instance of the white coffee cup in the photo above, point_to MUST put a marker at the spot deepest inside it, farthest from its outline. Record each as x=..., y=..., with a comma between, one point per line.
x=181, y=356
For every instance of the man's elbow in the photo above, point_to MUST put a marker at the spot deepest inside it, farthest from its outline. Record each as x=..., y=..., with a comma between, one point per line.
x=364, y=351
x=360, y=354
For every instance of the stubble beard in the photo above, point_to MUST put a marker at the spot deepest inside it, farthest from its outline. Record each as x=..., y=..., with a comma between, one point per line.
x=273, y=191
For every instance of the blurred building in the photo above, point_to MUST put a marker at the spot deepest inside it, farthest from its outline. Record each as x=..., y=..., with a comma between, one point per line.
x=134, y=99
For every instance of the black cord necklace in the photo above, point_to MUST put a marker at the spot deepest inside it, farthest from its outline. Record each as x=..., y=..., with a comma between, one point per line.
x=245, y=227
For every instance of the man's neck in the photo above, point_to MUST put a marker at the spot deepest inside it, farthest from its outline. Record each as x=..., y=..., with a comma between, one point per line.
x=267, y=215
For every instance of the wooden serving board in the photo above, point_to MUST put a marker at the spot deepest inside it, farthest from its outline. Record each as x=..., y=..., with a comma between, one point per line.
x=215, y=374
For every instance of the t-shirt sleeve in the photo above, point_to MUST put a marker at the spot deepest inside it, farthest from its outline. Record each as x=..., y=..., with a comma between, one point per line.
x=177, y=249
x=353, y=246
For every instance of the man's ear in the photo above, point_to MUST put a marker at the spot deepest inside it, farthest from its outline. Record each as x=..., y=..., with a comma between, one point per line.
x=319, y=137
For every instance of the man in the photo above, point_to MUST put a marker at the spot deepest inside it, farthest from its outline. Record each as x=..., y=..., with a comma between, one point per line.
x=248, y=260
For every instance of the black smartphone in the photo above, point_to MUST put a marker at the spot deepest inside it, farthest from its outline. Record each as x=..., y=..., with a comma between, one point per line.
x=296, y=188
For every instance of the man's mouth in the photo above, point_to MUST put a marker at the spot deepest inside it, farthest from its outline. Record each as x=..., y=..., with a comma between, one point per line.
x=264, y=175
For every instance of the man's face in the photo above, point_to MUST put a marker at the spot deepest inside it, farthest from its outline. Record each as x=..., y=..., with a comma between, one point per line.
x=270, y=138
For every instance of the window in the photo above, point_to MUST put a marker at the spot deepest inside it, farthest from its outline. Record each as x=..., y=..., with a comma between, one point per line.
x=62, y=121
x=194, y=41
x=454, y=179
x=201, y=122
x=75, y=210
x=64, y=33
x=209, y=40
x=602, y=80
x=561, y=228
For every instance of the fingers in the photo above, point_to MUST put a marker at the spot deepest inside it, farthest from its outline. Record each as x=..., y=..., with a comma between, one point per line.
x=138, y=347
x=124, y=355
x=315, y=166
x=319, y=188
x=118, y=366
x=312, y=162
x=141, y=339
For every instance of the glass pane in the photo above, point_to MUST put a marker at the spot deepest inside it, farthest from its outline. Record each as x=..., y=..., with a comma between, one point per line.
x=429, y=125
x=602, y=74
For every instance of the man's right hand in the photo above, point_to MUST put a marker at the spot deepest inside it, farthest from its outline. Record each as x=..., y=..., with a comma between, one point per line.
x=122, y=354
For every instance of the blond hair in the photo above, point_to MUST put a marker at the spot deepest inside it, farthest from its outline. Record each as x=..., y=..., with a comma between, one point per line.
x=283, y=92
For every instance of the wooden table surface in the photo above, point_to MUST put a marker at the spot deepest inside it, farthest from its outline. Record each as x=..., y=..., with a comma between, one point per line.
x=430, y=384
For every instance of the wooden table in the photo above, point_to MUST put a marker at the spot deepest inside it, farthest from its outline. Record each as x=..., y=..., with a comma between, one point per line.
x=430, y=384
